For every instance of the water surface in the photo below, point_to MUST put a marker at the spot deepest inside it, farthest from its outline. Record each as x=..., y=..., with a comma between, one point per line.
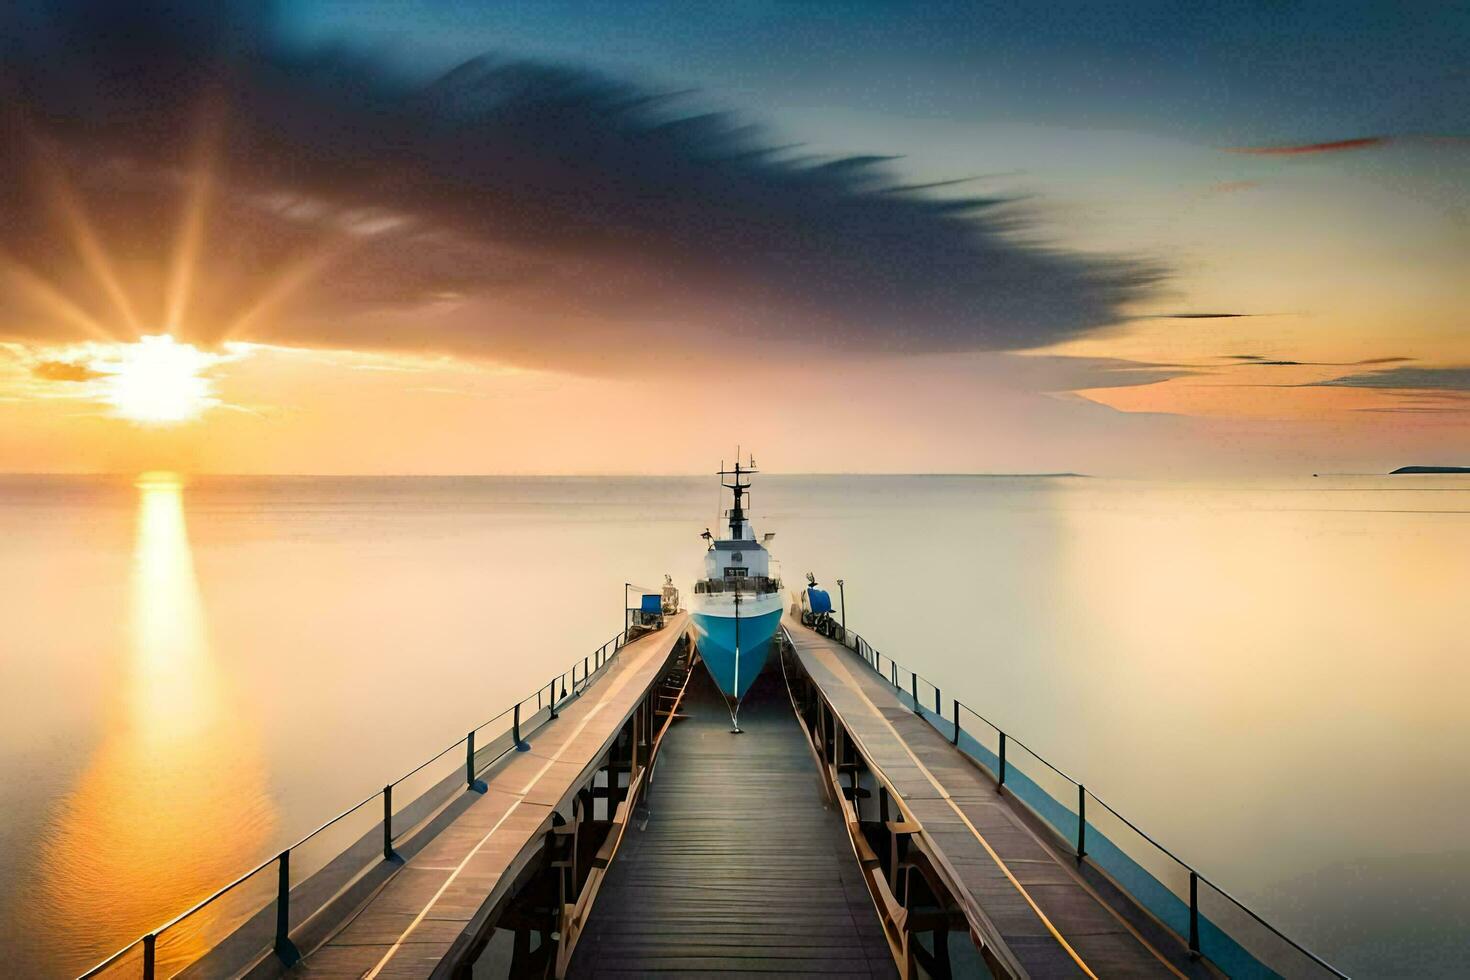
x=1268, y=676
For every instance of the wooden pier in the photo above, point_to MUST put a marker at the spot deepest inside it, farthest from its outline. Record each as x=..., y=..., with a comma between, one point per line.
x=966, y=844
x=433, y=914
x=743, y=866
x=623, y=830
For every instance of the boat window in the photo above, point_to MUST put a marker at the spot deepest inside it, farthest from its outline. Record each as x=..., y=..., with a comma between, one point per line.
x=733, y=572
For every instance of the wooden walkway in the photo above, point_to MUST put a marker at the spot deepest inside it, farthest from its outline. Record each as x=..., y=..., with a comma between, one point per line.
x=1019, y=892
x=440, y=896
x=742, y=868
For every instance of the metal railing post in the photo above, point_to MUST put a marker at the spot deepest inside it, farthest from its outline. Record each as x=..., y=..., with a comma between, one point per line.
x=552, y=697
x=283, y=907
x=469, y=759
x=1193, y=913
x=521, y=746
x=957, y=721
x=1081, y=822
x=914, y=690
x=149, y=955
x=388, y=822
x=585, y=672
x=938, y=703
x=1002, y=780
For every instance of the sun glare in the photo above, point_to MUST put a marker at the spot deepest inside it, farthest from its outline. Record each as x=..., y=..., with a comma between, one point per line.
x=157, y=381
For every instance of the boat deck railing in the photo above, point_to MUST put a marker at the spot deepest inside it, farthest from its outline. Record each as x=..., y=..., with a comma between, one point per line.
x=758, y=584
x=1214, y=923
x=256, y=913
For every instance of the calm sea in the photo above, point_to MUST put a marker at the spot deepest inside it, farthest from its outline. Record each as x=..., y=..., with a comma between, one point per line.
x=1270, y=677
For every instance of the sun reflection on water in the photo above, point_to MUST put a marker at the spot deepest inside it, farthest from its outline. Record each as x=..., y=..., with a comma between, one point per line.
x=173, y=802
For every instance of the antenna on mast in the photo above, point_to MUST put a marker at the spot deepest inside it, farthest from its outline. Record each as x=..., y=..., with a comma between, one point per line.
x=738, y=487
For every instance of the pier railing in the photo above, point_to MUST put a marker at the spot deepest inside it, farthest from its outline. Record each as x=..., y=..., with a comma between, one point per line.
x=1212, y=922
x=259, y=912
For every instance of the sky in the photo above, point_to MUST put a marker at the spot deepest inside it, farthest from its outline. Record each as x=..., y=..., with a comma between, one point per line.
x=434, y=237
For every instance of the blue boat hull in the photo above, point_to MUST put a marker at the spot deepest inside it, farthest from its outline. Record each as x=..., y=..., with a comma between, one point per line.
x=715, y=637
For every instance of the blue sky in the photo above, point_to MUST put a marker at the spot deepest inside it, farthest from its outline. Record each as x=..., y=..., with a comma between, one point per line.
x=1221, y=74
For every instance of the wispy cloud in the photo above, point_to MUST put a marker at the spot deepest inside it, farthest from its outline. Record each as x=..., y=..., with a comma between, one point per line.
x=1295, y=149
x=1342, y=146
x=542, y=215
x=64, y=371
x=1196, y=316
x=1261, y=360
x=1060, y=373
x=1407, y=378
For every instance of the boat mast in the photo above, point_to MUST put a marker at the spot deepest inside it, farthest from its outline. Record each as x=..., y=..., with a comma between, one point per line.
x=737, y=515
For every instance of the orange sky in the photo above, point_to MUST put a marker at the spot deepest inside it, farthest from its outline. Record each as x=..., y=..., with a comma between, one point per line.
x=637, y=289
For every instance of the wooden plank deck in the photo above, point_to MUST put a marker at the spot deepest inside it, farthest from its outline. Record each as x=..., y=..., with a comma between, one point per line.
x=1014, y=886
x=431, y=903
x=742, y=868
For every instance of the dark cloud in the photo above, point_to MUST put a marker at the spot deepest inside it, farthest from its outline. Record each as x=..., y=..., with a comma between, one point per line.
x=533, y=213
x=1407, y=378
x=64, y=371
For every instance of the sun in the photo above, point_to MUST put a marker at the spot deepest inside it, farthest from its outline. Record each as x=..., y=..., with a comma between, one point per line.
x=157, y=381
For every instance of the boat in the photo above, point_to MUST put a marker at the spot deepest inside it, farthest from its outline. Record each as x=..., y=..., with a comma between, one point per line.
x=736, y=607
x=653, y=608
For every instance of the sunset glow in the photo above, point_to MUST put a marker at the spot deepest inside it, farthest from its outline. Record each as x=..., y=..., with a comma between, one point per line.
x=157, y=381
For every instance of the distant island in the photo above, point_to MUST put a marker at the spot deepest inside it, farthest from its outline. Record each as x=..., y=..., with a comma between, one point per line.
x=1430, y=469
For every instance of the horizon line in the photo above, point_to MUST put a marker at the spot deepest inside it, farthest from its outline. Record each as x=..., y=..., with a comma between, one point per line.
x=590, y=476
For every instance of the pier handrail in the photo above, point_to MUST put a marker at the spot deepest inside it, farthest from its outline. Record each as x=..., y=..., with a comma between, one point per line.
x=601, y=657
x=855, y=642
